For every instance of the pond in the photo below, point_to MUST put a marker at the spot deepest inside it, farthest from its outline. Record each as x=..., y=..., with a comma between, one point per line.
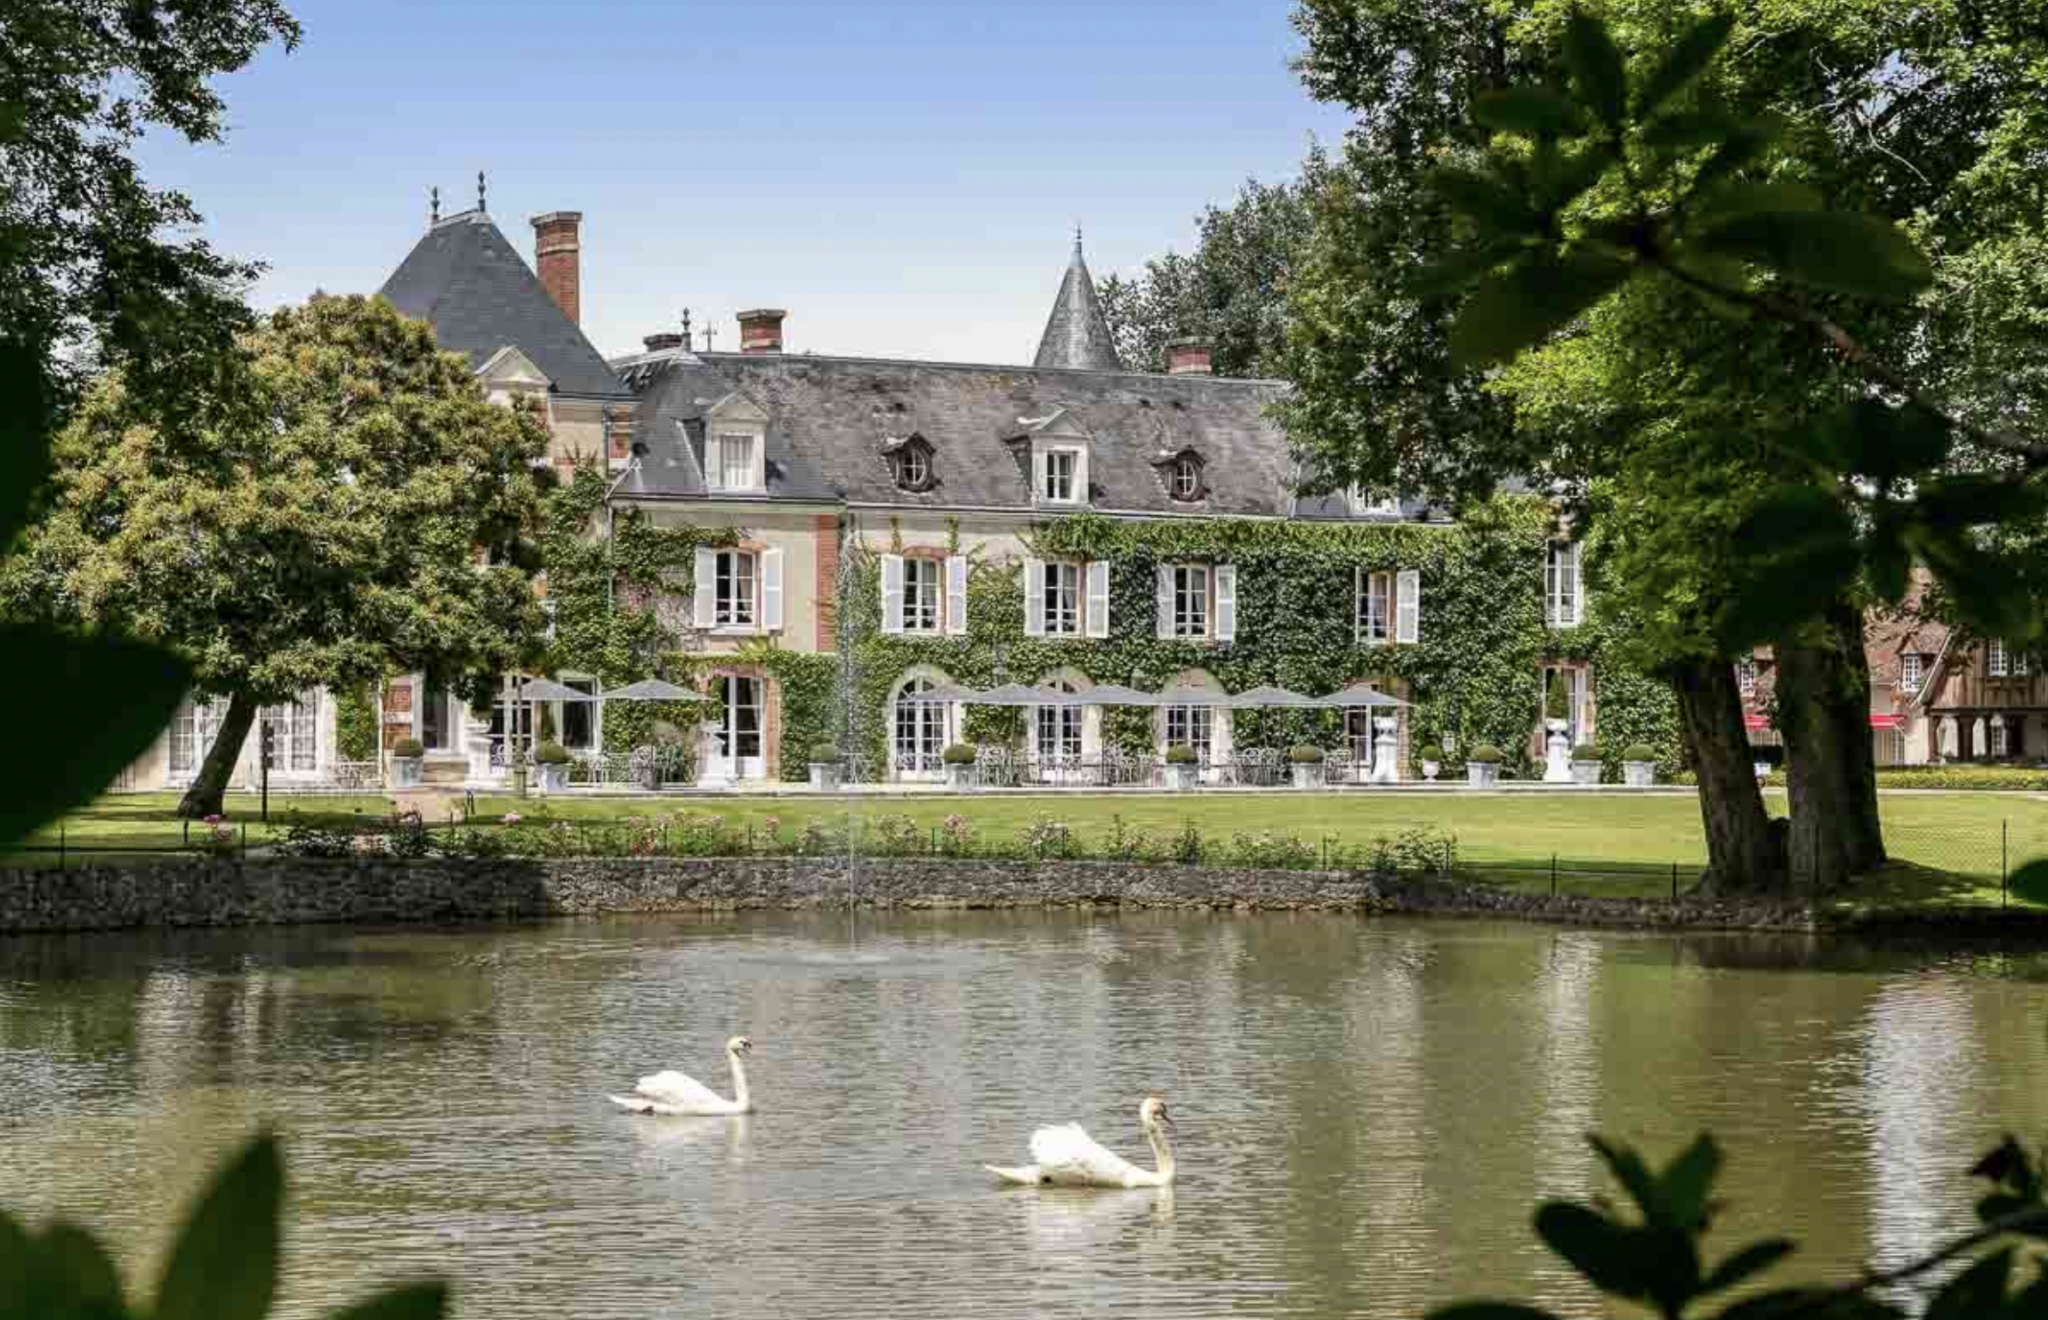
x=1368, y=1110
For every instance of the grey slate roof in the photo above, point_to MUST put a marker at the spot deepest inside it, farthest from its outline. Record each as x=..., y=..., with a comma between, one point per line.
x=478, y=293
x=832, y=421
x=1077, y=334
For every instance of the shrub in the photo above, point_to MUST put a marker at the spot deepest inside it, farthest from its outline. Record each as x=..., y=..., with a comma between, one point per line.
x=1424, y=850
x=1047, y=835
x=1638, y=752
x=1432, y=752
x=1305, y=755
x=408, y=749
x=1181, y=754
x=1487, y=754
x=959, y=754
x=1586, y=752
x=825, y=753
x=1187, y=845
x=552, y=753
x=1280, y=852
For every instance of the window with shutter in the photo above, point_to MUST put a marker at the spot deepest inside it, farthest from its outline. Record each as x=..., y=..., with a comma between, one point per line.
x=1191, y=601
x=892, y=593
x=1408, y=606
x=1098, y=599
x=1226, y=604
x=1563, y=586
x=1375, y=619
x=1034, y=598
x=956, y=595
x=735, y=590
x=921, y=595
x=1909, y=672
x=1994, y=658
x=771, y=589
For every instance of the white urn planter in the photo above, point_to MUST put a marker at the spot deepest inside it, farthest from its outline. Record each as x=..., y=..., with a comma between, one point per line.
x=1482, y=774
x=1430, y=770
x=1180, y=776
x=1639, y=774
x=553, y=779
x=714, y=771
x=1308, y=774
x=405, y=771
x=825, y=776
x=1386, y=760
x=1557, y=754
x=1586, y=774
x=959, y=774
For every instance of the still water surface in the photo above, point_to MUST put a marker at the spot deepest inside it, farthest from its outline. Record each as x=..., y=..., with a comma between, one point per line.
x=1368, y=1110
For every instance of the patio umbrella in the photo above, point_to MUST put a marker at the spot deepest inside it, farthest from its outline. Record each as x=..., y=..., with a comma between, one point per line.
x=1011, y=694
x=1191, y=694
x=1261, y=698
x=1113, y=694
x=1356, y=696
x=942, y=695
x=547, y=689
x=651, y=689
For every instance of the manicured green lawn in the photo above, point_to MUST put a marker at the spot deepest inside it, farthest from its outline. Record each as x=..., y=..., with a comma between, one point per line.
x=149, y=821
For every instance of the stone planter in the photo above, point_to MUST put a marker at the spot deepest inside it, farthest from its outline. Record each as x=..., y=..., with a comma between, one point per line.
x=1586, y=774
x=554, y=778
x=1482, y=774
x=1180, y=778
x=405, y=771
x=1430, y=770
x=1639, y=774
x=825, y=776
x=1308, y=775
x=959, y=774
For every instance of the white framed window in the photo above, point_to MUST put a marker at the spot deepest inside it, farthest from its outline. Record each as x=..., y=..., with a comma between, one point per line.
x=743, y=722
x=1909, y=672
x=1578, y=690
x=1061, y=600
x=1191, y=600
x=192, y=733
x=1563, y=588
x=434, y=714
x=1057, y=729
x=1192, y=726
x=735, y=590
x=918, y=740
x=1184, y=481
x=922, y=592
x=1062, y=472
x=1996, y=742
x=1066, y=599
x=294, y=733
x=578, y=719
x=1364, y=502
x=1375, y=617
x=734, y=462
x=2016, y=663
x=1745, y=678
x=913, y=467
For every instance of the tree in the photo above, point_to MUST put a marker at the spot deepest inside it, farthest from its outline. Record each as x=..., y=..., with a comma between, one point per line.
x=322, y=528
x=88, y=276
x=1897, y=111
x=1230, y=292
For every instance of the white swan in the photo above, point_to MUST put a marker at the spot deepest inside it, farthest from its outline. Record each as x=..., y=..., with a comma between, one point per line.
x=1066, y=1156
x=668, y=1093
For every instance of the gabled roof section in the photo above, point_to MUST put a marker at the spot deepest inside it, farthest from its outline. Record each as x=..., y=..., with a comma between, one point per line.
x=478, y=293
x=1077, y=334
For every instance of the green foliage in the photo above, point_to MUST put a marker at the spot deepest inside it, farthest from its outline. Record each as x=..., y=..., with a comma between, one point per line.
x=1557, y=700
x=1305, y=754
x=1652, y=1251
x=1430, y=752
x=356, y=725
x=1486, y=754
x=408, y=749
x=825, y=753
x=1637, y=753
x=551, y=753
x=223, y=1265
x=1585, y=752
x=959, y=754
x=1182, y=754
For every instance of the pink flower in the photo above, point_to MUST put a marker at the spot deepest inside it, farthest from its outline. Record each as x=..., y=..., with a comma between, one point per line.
x=511, y=818
x=214, y=819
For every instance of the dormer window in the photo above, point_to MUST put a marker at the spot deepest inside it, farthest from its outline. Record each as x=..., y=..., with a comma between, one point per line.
x=736, y=462
x=914, y=466
x=1062, y=474
x=735, y=446
x=1365, y=503
x=1184, y=478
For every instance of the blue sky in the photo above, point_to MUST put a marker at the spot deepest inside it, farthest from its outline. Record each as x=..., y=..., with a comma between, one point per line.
x=902, y=175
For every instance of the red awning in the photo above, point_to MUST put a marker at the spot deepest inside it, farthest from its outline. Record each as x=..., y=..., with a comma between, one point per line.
x=1752, y=720
x=1887, y=722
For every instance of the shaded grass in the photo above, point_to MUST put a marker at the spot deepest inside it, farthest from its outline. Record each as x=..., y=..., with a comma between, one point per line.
x=140, y=827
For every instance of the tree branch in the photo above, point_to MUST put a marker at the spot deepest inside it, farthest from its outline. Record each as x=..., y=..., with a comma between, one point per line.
x=2023, y=1221
x=1795, y=313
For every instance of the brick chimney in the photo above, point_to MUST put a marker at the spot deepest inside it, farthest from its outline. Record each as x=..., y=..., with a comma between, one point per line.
x=662, y=340
x=1189, y=357
x=557, y=244
x=761, y=330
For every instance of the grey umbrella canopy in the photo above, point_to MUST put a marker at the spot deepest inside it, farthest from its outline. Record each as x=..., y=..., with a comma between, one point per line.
x=942, y=695
x=547, y=689
x=1114, y=694
x=652, y=689
x=1356, y=696
x=1263, y=698
x=1191, y=694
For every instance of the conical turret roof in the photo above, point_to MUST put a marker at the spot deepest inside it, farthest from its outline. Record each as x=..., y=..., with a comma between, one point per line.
x=1077, y=334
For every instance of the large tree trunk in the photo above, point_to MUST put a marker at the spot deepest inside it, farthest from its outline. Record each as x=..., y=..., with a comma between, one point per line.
x=1830, y=768
x=1745, y=854
x=211, y=785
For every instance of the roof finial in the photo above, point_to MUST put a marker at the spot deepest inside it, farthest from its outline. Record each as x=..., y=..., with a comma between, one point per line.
x=480, y=191
x=687, y=345
x=1077, y=236
x=434, y=206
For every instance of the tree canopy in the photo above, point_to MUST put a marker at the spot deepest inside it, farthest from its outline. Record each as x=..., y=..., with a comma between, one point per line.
x=325, y=527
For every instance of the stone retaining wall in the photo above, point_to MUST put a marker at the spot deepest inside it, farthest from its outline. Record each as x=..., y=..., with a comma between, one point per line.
x=291, y=891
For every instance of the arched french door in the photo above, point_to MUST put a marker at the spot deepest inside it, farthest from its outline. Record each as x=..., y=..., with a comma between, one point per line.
x=918, y=730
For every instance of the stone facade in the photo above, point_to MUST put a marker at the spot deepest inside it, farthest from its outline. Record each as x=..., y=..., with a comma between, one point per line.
x=292, y=891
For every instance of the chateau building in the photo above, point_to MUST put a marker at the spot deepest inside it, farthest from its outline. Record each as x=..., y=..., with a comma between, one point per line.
x=931, y=471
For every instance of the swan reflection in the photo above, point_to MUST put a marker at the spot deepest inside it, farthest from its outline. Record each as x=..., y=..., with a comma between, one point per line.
x=680, y=1134
x=1060, y=1219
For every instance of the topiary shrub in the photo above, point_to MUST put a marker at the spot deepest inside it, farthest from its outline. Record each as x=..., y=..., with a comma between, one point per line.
x=552, y=753
x=1432, y=752
x=959, y=754
x=1181, y=754
x=1639, y=752
x=825, y=753
x=1487, y=754
x=1586, y=752
x=1304, y=754
x=408, y=749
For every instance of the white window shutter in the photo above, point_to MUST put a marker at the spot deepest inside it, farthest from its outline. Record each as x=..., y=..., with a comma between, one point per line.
x=1098, y=598
x=1226, y=603
x=1038, y=463
x=1081, y=476
x=705, y=599
x=771, y=590
x=892, y=593
x=1034, y=598
x=1407, y=605
x=714, y=461
x=1164, y=595
x=956, y=595
x=1579, y=582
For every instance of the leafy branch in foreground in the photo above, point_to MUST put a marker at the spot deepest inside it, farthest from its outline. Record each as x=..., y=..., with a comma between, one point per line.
x=223, y=1266
x=1654, y=1257
x=1616, y=176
